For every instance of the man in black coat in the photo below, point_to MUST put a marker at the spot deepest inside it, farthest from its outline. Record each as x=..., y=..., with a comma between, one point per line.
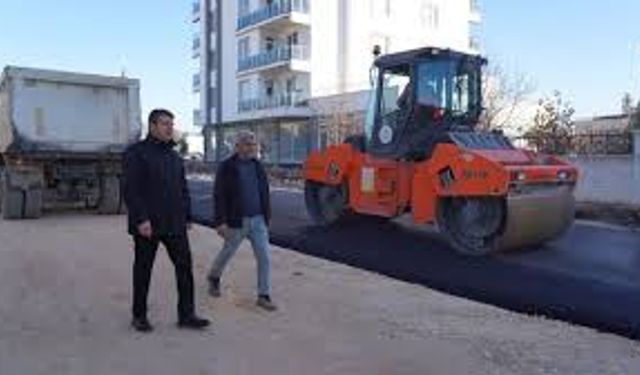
x=242, y=210
x=159, y=210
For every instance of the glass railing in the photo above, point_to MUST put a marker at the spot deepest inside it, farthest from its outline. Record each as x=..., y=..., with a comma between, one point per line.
x=196, y=118
x=195, y=47
x=275, y=101
x=196, y=82
x=275, y=55
x=195, y=11
x=273, y=10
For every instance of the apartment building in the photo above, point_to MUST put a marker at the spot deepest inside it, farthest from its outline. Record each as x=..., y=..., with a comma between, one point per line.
x=277, y=66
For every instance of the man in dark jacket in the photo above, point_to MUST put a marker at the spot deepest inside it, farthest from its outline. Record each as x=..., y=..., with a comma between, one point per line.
x=159, y=210
x=242, y=210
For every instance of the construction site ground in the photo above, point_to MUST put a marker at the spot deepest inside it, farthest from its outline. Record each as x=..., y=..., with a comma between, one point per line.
x=65, y=291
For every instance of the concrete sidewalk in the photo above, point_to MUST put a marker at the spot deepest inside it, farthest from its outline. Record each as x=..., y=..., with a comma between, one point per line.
x=65, y=292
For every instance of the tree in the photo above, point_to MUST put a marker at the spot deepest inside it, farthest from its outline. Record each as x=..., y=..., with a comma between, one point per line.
x=634, y=120
x=553, y=125
x=183, y=145
x=338, y=118
x=504, y=97
x=626, y=104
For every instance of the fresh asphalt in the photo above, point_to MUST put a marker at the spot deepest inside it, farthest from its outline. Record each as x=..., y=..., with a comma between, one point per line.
x=591, y=276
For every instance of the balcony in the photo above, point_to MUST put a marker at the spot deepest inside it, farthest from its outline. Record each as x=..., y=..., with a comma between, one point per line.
x=278, y=105
x=275, y=10
x=195, y=47
x=195, y=12
x=475, y=14
x=474, y=44
x=197, y=121
x=196, y=83
x=275, y=58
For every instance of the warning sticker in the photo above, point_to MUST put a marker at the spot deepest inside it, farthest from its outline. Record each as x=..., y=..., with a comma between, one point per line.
x=367, y=180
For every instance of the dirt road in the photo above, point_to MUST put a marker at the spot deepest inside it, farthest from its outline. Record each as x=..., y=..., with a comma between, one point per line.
x=65, y=291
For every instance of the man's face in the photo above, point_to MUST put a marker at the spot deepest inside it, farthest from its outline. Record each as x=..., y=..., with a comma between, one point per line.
x=247, y=149
x=162, y=129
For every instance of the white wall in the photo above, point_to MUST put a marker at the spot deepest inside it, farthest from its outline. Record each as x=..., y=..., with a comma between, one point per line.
x=324, y=54
x=229, y=89
x=342, y=34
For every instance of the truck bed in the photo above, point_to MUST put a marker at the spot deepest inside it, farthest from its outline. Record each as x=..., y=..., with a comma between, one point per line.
x=45, y=111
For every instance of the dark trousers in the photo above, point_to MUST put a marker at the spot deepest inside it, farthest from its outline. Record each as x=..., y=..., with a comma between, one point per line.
x=180, y=255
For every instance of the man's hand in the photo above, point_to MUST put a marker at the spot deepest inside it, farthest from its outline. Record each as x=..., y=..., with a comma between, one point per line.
x=145, y=230
x=223, y=231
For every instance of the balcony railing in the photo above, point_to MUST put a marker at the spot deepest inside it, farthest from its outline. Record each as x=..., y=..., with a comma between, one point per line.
x=195, y=47
x=271, y=102
x=474, y=44
x=275, y=9
x=196, y=83
x=275, y=55
x=195, y=11
x=197, y=121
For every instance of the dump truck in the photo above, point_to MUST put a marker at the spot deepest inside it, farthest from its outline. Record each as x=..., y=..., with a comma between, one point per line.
x=423, y=154
x=62, y=137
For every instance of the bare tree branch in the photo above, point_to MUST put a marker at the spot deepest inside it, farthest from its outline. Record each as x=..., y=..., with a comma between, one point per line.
x=504, y=96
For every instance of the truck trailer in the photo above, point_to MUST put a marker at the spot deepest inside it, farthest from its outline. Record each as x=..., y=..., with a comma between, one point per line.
x=62, y=137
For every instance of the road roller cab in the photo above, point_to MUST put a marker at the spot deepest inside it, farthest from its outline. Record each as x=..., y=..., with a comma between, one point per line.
x=421, y=154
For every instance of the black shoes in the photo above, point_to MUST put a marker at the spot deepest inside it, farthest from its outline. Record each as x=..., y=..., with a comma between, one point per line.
x=193, y=322
x=141, y=325
x=214, y=287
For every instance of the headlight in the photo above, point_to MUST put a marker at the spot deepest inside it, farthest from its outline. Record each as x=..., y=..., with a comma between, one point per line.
x=518, y=176
x=563, y=175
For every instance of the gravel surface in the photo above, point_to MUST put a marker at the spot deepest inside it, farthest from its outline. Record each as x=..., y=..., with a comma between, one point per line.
x=65, y=292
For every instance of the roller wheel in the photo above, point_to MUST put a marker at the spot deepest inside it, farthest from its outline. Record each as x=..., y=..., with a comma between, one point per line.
x=325, y=203
x=473, y=226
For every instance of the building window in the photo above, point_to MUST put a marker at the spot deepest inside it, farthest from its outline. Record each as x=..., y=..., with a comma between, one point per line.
x=294, y=142
x=292, y=39
x=213, y=95
x=473, y=4
x=430, y=14
x=196, y=82
x=267, y=135
x=243, y=7
x=213, y=59
x=269, y=43
x=213, y=20
x=195, y=47
x=197, y=121
x=243, y=48
x=243, y=90
x=268, y=88
x=291, y=85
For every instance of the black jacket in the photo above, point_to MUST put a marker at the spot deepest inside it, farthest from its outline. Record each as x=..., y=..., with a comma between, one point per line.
x=227, y=197
x=155, y=188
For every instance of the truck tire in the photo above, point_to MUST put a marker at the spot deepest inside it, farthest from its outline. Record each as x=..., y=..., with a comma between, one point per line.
x=1, y=187
x=110, y=196
x=11, y=200
x=32, y=204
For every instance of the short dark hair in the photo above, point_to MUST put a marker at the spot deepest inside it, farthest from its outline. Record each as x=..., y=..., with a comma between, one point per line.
x=156, y=113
